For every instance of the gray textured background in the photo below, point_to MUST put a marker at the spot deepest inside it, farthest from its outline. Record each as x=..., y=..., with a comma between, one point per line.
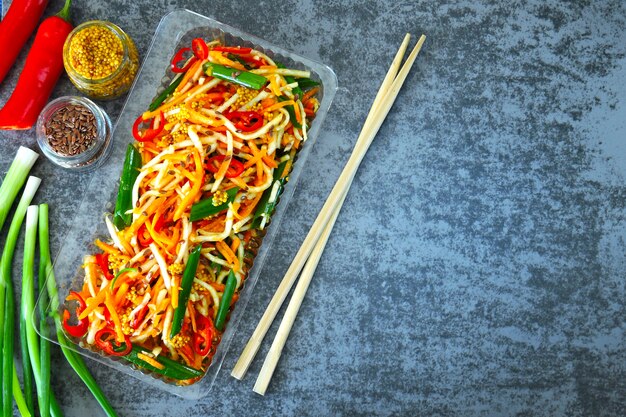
x=478, y=265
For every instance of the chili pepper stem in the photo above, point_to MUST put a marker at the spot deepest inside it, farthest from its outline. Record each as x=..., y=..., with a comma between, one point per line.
x=64, y=13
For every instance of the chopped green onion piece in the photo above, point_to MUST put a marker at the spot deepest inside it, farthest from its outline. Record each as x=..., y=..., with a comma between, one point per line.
x=187, y=282
x=205, y=208
x=169, y=90
x=243, y=78
x=124, y=203
x=171, y=368
x=229, y=290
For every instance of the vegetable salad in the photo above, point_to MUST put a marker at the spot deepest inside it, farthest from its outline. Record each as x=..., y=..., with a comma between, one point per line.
x=199, y=184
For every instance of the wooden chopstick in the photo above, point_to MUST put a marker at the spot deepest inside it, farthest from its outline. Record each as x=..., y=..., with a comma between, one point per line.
x=271, y=360
x=380, y=108
x=391, y=84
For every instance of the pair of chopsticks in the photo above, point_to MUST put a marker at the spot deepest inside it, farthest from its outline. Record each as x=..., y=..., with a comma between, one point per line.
x=309, y=254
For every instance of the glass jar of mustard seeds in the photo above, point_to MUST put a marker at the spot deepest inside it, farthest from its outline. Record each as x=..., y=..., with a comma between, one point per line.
x=100, y=59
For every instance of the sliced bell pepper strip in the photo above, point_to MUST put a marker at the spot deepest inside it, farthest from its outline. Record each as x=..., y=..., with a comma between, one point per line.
x=203, y=337
x=180, y=57
x=105, y=340
x=222, y=312
x=246, y=121
x=80, y=329
x=235, y=168
x=186, y=284
x=132, y=163
x=205, y=208
x=243, y=78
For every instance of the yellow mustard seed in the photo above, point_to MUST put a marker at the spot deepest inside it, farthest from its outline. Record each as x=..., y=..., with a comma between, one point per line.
x=96, y=52
x=220, y=197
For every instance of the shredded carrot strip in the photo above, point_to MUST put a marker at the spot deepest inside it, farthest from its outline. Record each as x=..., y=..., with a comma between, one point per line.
x=175, y=292
x=121, y=293
x=114, y=317
x=235, y=244
x=280, y=104
x=149, y=360
x=218, y=287
x=309, y=94
x=296, y=109
x=255, y=158
x=92, y=304
x=228, y=254
x=105, y=247
x=190, y=72
x=197, y=186
x=267, y=102
x=269, y=161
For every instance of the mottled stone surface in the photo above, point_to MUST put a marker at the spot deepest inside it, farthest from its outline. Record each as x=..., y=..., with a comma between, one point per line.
x=478, y=265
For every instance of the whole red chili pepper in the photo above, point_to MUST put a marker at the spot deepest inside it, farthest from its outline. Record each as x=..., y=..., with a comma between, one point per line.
x=16, y=28
x=80, y=329
x=42, y=69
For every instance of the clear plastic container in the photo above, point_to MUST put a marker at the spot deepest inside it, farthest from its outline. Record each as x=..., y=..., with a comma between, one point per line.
x=175, y=30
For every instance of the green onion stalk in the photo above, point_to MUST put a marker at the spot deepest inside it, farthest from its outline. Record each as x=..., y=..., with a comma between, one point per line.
x=15, y=178
x=74, y=359
x=28, y=294
x=7, y=304
x=40, y=364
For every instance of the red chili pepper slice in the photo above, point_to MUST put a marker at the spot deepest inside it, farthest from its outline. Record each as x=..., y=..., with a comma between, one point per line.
x=105, y=339
x=149, y=133
x=246, y=121
x=203, y=337
x=139, y=317
x=200, y=48
x=80, y=329
x=159, y=224
x=107, y=315
x=143, y=237
x=178, y=58
x=102, y=259
x=232, y=49
x=235, y=168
